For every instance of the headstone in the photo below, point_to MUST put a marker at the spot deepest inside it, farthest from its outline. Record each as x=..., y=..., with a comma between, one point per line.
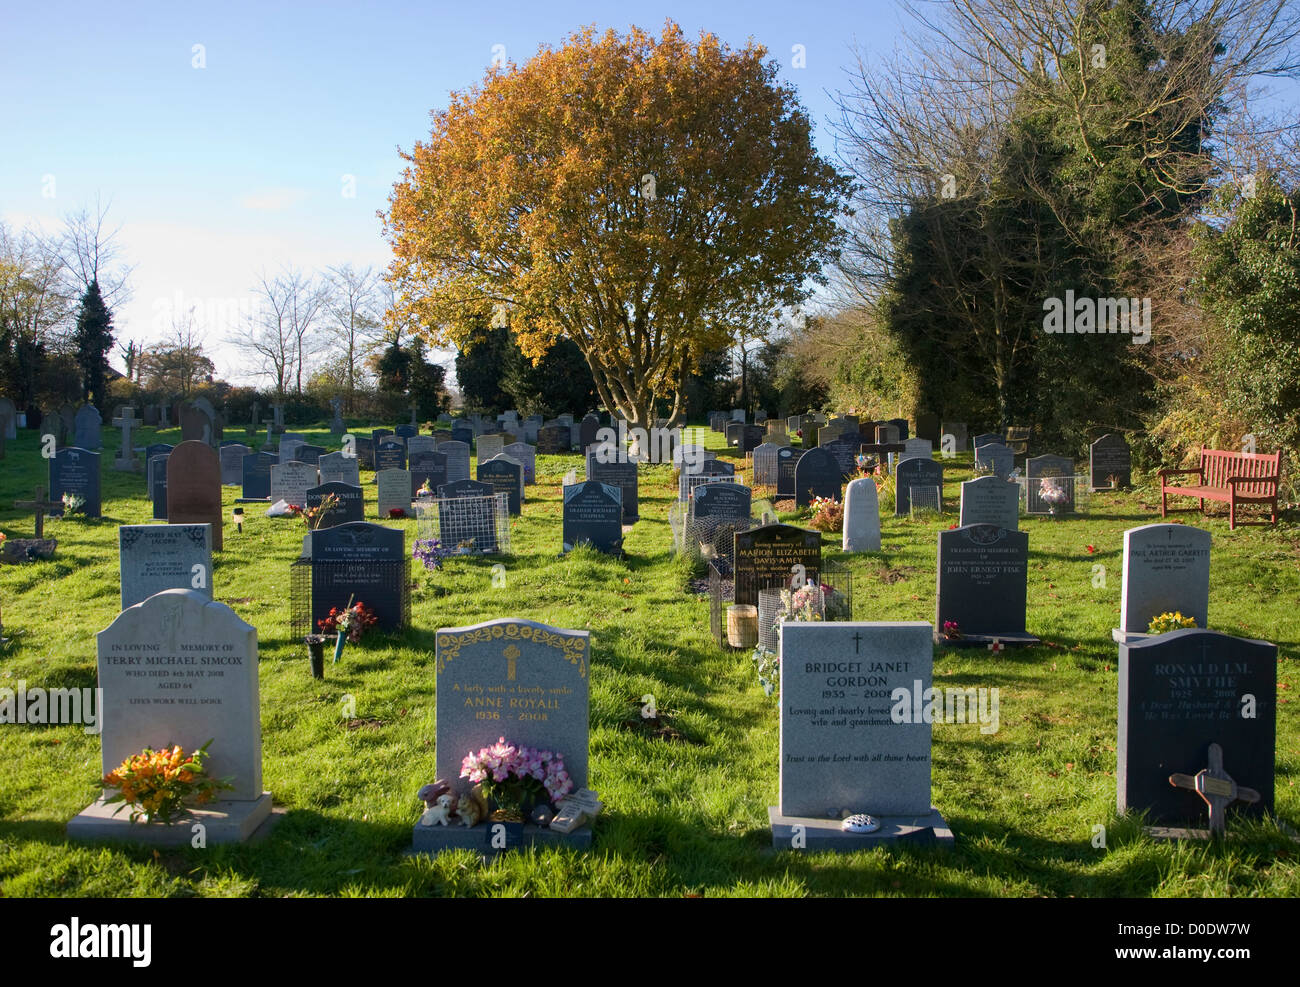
x=900, y=424
x=786, y=461
x=379, y=435
x=179, y=668
x=990, y=500
x=751, y=436
x=351, y=504
x=39, y=505
x=888, y=435
x=861, y=516
x=150, y=451
x=390, y=455
x=255, y=476
x=336, y=420
x=457, y=454
x=927, y=427
x=467, y=517
x=232, y=464
x=593, y=514
x=504, y=477
x=194, y=488
x=489, y=446
x=917, y=449
x=420, y=443
x=1058, y=471
x=996, y=457
x=52, y=425
x=960, y=438
x=289, y=447
x=552, y=440
x=1110, y=464
x=618, y=474
x=765, y=465
x=733, y=433
x=927, y=473
x=309, y=454
x=816, y=474
x=362, y=563
x=393, y=491
x=196, y=425
x=86, y=427
x=531, y=426
x=365, y=450
x=709, y=471
x=335, y=467
x=291, y=481
x=155, y=557
x=527, y=455
x=1181, y=692
x=462, y=432
x=125, y=460
x=9, y=416
x=427, y=467
x=1166, y=570
x=738, y=414
x=845, y=452
x=766, y=557
x=723, y=501
x=847, y=754
x=983, y=572
x=984, y=438
x=587, y=429
x=832, y=431
x=75, y=471
x=157, y=470
x=405, y=432
x=515, y=678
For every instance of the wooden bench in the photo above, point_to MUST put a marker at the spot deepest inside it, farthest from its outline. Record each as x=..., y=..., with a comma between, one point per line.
x=1230, y=477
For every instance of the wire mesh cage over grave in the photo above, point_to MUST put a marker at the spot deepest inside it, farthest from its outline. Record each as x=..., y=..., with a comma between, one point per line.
x=475, y=525
x=708, y=523
x=351, y=563
x=825, y=593
x=1051, y=486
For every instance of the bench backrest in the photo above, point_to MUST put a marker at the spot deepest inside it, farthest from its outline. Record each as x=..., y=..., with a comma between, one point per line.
x=1217, y=465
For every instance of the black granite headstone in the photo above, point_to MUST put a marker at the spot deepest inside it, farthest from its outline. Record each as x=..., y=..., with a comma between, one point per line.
x=1180, y=692
x=619, y=474
x=365, y=449
x=552, y=440
x=765, y=558
x=915, y=473
x=157, y=467
x=406, y=431
x=362, y=562
x=593, y=514
x=351, y=505
x=983, y=571
x=309, y=454
x=817, y=474
x=720, y=500
x=1109, y=458
x=503, y=477
x=75, y=471
x=390, y=455
x=786, y=459
x=427, y=466
x=257, y=476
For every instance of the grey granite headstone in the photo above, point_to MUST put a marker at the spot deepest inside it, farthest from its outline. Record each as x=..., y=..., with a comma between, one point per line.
x=393, y=490
x=916, y=449
x=289, y=449
x=991, y=500
x=525, y=454
x=996, y=457
x=842, y=748
x=335, y=467
x=291, y=481
x=256, y=478
x=232, y=464
x=86, y=426
x=457, y=454
x=181, y=669
x=1166, y=570
x=155, y=557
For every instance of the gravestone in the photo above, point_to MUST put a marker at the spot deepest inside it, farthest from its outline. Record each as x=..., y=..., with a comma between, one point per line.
x=467, y=517
x=832, y=431
x=196, y=425
x=593, y=514
x=765, y=465
x=861, y=516
x=457, y=454
x=552, y=440
x=155, y=557
x=309, y=454
x=618, y=474
x=156, y=449
x=733, y=434
x=887, y=435
x=531, y=426
x=816, y=474
x=1058, y=471
x=751, y=436
x=927, y=428
x=194, y=488
x=1166, y=570
x=157, y=470
x=916, y=449
x=351, y=504
x=786, y=461
x=515, y=678
x=990, y=500
x=52, y=425
x=1181, y=692
x=720, y=501
x=984, y=438
x=845, y=449
x=996, y=457
x=843, y=750
x=959, y=434
x=86, y=428
x=506, y=477
x=983, y=572
x=75, y=471
x=405, y=432
x=288, y=449
x=379, y=435
x=587, y=430
x=364, y=563
x=291, y=481
x=523, y=453
x=9, y=418
x=462, y=432
x=255, y=476
x=336, y=419
x=390, y=455
x=365, y=450
x=900, y=425
x=181, y=669
x=1109, y=460
x=393, y=491
x=766, y=557
x=420, y=443
x=335, y=467
x=489, y=446
x=709, y=471
x=426, y=467
x=125, y=459
x=39, y=505
x=232, y=464
x=922, y=473
x=738, y=415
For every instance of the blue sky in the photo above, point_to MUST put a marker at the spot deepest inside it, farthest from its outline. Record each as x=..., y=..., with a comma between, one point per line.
x=218, y=172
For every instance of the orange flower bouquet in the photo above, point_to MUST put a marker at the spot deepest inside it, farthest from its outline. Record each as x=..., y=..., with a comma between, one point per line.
x=157, y=784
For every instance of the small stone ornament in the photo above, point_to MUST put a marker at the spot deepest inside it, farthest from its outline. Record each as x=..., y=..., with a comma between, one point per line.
x=541, y=815
x=860, y=822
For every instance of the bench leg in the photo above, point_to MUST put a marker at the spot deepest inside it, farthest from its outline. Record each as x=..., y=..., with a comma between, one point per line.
x=1232, y=513
x=1164, y=503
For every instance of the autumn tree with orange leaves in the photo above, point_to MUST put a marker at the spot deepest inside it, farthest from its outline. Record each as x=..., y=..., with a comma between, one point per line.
x=644, y=198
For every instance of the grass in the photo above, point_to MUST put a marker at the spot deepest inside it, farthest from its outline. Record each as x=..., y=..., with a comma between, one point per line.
x=685, y=815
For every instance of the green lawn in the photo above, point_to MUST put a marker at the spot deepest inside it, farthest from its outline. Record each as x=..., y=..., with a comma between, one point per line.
x=683, y=816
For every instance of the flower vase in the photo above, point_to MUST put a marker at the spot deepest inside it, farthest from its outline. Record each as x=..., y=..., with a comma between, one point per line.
x=316, y=649
x=340, y=639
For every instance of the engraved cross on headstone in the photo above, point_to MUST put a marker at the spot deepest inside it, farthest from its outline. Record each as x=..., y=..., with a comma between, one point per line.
x=40, y=505
x=1216, y=789
x=512, y=654
x=128, y=421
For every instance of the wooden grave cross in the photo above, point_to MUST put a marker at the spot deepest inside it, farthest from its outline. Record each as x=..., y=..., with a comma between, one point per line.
x=40, y=505
x=1217, y=790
